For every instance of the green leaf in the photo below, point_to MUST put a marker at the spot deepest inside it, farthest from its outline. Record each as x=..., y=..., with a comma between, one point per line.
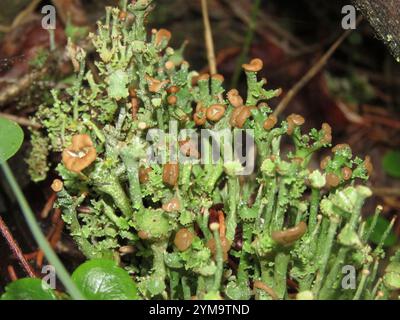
x=11, y=138
x=28, y=289
x=391, y=162
x=102, y=279
x=381, y=225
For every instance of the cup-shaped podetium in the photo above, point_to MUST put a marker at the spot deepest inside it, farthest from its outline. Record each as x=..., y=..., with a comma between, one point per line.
x=80, y=154
x=215, y=112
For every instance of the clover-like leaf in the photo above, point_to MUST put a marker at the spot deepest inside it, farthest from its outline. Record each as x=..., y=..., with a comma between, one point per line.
x=11, y=138
x=101, y=279
x=29, y=289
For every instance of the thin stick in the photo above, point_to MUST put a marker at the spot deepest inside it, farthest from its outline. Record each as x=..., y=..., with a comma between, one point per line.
x=48, y=206
x=208, y=38
x=5, y=29
x=315, y=69
x=20, y=120
x=39, y=259
x=56, y=237
x=11, y=273
x=31, y=255
x=386, y=192
x=23, y=15
x=53, y=236
x=261, y=285
x=16, y=250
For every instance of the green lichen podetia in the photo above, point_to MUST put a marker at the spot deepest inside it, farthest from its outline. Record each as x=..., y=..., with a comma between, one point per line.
x=200, y=230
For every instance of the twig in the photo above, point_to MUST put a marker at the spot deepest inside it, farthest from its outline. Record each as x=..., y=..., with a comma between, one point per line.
x=53, y=236
x=385, y=121
x=30, y=256
x=386, y=192
x=261, y=285
x=5, y=29
x=21, y=17
x=208, y=38
x=11, y=273
x=20, y=120
x=312, y=72
x=40, y=258
x=58, y=229
x=48, y=206
x=16, y=250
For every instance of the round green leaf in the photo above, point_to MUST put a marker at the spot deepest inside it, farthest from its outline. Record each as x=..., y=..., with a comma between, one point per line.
x=391, y=162
x=101, y=279
x=381, y=225
x=28, y=289
x=11, y=138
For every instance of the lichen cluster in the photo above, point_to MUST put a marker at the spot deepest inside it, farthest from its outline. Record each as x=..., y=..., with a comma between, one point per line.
x=194, y=230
